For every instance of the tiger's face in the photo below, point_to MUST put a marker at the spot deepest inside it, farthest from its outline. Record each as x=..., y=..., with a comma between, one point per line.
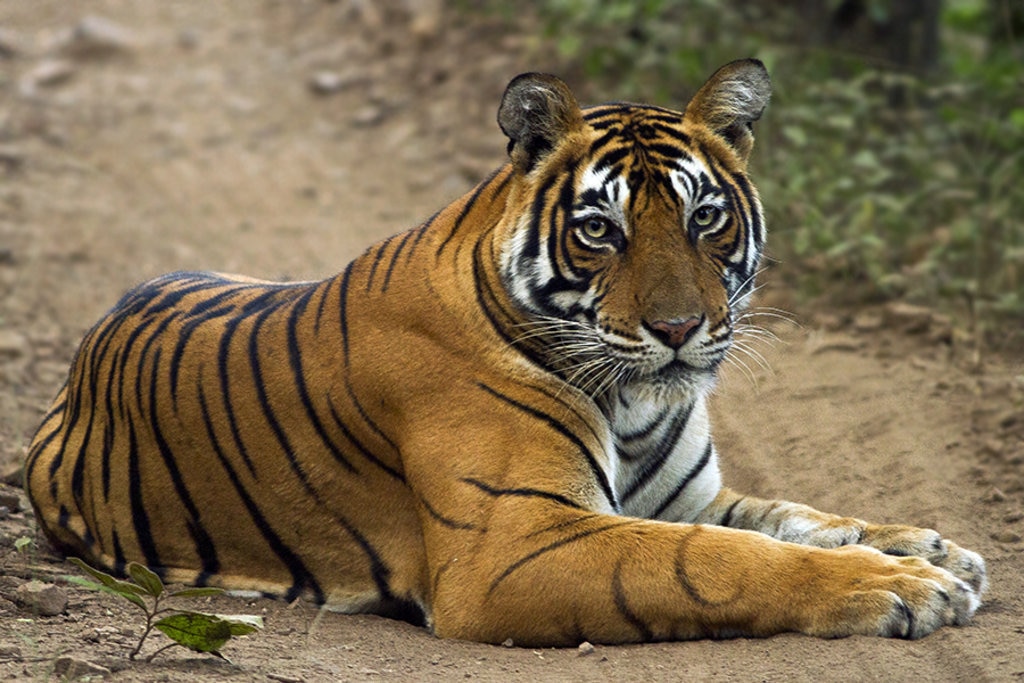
x=635, y=240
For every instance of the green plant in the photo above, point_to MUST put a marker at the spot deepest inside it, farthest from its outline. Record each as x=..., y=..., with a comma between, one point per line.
x=196, y=631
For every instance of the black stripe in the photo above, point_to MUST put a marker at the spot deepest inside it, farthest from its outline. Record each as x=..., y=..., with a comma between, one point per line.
x=622, y=605
x=420, y=233
x=540, y=200
x=41, y=443
x=599, y=473
x=660, y=452
x=697, y=469
x=300, y=574
x=295, y=361
x=522, y=493
x=326, y=287
x=224, y=374
x=366, y=452
x=470, y=203
x=140, y=517
x=529, y=557
x=268, y=410
x=343, y=308
x=394, y=260
x=378, y=257
x=727, y=517
x=204, y=545
x=643, y=433
x=448, y=521
x=377, y=430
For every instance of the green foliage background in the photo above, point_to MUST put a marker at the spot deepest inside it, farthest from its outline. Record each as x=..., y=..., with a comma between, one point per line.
x=879, y=181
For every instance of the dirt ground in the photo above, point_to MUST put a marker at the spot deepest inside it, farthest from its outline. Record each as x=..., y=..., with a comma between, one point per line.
x=280, y=139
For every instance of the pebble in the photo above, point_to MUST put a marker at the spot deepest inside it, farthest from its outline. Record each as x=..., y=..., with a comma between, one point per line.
x=908, y=317
x=585, y=648
x=13, y=345
x=508, y=643
x=370, y=115
x=11, y=44
x=1007, y=537
x=96, y=36
x=11, y=158
x=70, y=668
x=10, y=499
x=10, y=652
x=329, y=82
x=46, y=74
x=44, y=599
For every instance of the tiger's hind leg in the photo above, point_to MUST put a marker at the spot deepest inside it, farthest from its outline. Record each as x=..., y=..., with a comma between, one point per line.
x=802, y=524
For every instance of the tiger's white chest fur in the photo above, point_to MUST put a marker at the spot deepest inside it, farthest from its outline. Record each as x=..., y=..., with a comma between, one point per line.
x=666, y=465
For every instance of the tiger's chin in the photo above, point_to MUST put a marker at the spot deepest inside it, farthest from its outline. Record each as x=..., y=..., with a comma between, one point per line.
x=674, y=382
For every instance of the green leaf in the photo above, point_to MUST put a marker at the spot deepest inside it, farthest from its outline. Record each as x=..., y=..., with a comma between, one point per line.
x=196, y=631
x=146, y=578
x=22, y=543
x=92, y=585
x=242, y=624
x=116, y=585
x=197, y=592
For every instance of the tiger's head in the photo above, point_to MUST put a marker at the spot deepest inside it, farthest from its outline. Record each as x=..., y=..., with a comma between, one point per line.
x=632, y=234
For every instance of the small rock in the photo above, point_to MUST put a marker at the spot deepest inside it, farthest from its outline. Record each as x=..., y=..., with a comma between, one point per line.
x=328, y=82
x=44, y=599
x=11, y=159
x=69, y=668
x=835, y=342
x=508, y=643
x=10, y=499
x=1007, y=537
x=908, y=317
x=5, y=513
x=10, y=652
x=426, y=19
x=995, y=496
x=11, y=44
x=189, y=38
x=992, y=447
x=284, y=678
x=585, y=648
x=369, y=115
x=867, y=322
x=96, y=36
x=46, y=74
x=13, y=473
x=1013, y=517
x=13, y=345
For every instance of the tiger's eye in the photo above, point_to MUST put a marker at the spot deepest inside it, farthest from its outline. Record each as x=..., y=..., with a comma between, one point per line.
x=595, y=228
x=705, y=216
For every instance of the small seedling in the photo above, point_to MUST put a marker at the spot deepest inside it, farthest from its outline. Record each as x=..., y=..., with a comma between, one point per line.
x=23, y=544
x=196, y=631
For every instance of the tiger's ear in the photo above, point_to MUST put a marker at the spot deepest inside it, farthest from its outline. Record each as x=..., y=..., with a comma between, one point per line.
x=731, y=100
x=537, y=111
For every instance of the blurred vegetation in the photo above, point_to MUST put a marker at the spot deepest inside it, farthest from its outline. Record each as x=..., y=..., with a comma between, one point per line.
x=891, y=160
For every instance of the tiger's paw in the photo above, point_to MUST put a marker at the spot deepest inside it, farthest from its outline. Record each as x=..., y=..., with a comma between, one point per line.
x=903, y=597
x=903, y=541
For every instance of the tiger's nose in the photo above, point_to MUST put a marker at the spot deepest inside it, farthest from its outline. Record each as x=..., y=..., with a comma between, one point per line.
x=674, y=333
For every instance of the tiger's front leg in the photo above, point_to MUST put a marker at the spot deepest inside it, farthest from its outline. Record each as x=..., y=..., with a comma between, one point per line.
x=802, y=524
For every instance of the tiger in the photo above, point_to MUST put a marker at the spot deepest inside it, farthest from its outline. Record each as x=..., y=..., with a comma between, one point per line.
x=494, y=425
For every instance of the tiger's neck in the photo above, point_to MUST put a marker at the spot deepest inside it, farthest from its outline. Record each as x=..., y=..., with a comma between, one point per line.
x=667, y=467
